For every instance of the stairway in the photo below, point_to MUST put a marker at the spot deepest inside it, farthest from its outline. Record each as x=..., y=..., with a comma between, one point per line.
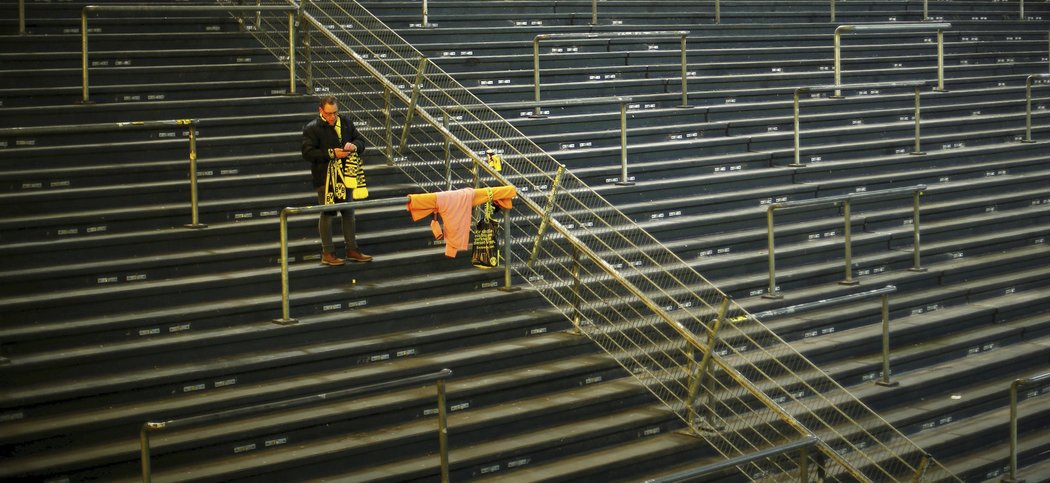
x=158, y=321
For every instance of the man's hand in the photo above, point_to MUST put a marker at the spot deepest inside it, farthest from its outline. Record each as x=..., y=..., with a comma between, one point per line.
x=341, y=153
x=350, y=147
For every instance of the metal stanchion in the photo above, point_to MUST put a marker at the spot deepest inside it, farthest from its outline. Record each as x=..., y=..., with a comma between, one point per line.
x=624, y=181
x=916, y=253
x=507, y=256
x=194, y=199
x=847, y=216
x=771, y=292
x=885, y=379
x=918, y=144
x=442, y=430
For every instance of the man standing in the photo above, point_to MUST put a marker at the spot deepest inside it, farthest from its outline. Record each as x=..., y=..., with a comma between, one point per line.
x=331, y=138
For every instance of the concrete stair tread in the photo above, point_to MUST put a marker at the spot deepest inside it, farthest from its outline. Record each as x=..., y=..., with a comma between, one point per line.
x=507, y=447
x=458, y=388
x=67, y=354
x=607, y=460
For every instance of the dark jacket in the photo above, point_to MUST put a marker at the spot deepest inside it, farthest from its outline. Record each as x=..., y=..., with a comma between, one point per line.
x=320, y=141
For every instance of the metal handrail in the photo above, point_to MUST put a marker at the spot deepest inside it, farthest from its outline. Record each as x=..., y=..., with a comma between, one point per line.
x=286, y=318
x=681, y=34
x=22, y=17
x=801, y=445
x=798, y=92
x=1014, y=386
x=883, y=292
x=292, y=10
x=774, y=293
x=902, y=27
x=1028, y=105
x=438, y=377
x=103, y=127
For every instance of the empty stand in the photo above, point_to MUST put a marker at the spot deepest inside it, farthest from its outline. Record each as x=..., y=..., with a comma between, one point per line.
x=114, y=314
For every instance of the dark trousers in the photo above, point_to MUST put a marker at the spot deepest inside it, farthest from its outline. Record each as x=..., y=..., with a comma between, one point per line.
x=324, y=226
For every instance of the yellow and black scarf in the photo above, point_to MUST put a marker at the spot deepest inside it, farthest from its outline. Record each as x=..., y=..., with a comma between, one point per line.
x=344, y=174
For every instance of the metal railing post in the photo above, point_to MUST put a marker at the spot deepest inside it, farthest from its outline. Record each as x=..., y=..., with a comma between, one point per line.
x=308, y=54
x=291, y=53
x=1021, y=16
x=832, y=10
x=417, y=86
x=147, y=470
x=475, y=172
x=194, y=200
x=1028, y=111
x=925, y=10
x=795, y=109
x=507, y=286
x=442, y=430
x=594, y=12
x=1013, y=430
x=22, y=17
x=388, y=134
x=940, y=61
x=1028, y=105
x=448, y=153
x=885, y=380
x=838, y=60
x=85, y=96
x=426, y=15
x=144, y=449
x=916, y=253
x=848, y=230
x=536, y=111
x=545, y=221
x=771, y=292
x=685, y=67
x=240, y=19
x=624, y=181
x=286, y=318
x=918, y=144
x=702, y=378
x=577, y=314
x=1014, y=400
x=718, y=11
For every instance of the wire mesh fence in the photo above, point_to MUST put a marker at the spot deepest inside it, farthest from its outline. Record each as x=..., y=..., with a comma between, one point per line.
x=646, y=307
